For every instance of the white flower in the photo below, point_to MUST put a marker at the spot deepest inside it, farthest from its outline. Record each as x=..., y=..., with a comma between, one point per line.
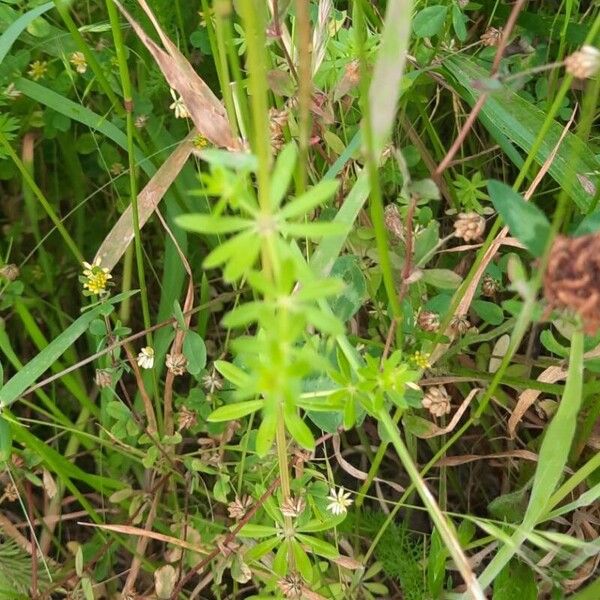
x=145, y=358
x=179, y=107
x=12, y=92
x=339, y=501
x=77, y=59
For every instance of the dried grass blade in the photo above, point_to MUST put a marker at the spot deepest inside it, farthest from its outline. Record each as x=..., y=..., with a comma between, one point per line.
x=120, y=236
x=138, y=531
x=206, y=110
x=528, y=397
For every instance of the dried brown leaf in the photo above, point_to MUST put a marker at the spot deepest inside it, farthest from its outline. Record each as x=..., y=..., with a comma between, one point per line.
x=353, y=471
x=455, y=461
x=528, y=397
x=206, y=110
x=434, y=430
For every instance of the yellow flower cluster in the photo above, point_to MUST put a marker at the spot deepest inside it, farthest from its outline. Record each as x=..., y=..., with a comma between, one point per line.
x=95, y=278
x=420, y=359
x=37, y=69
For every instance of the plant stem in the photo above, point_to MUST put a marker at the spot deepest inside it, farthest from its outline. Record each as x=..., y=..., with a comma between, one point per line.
x=375, y=199
x=442, y=525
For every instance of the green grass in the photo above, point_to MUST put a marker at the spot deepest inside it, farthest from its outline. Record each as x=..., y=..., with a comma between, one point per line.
x=284, y=230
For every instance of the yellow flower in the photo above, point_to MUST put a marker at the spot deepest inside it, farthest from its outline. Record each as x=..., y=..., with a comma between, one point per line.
x=37, y=69
x=200, y=142
x=77, y=59
x=420, y=359
x=95, y=278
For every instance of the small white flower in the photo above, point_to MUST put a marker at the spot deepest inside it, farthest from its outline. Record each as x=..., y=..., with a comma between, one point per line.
x=179, y=107
x=339, y=501
x=145, y=358
x=12, y=92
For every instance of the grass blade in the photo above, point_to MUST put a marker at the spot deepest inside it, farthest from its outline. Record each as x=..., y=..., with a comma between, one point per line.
x=520, y=121
x=9, y=37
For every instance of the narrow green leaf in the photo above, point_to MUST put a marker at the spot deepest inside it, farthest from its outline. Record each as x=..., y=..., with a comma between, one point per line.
x=261, y=548
x=552, y=460
x=199, y=223
x=301, y=560
x=16, y=28
x=237, y=161
x=77, y=112
x=313, y=229
x=458, y=23
x=266, y=434
x=299, y=430
x=232, y=373
x=318, y=546
x=282, y=174
x=574, y=166
x=230, y=412
x=314, y=197
x=88, y=590
x=329, y=248
x=525, y=220
x=242, y=315
x=226, y=250
x=5, y=440
x=240, y=263
x=559, y=436
x=15, y=386
x=320, y=289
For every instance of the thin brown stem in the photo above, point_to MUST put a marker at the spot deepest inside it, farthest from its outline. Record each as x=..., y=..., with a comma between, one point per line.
x=148, y=407
x=406, y=271
x=228, y=539
x=460, y=138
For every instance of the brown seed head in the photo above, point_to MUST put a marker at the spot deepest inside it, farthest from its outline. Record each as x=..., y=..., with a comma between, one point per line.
x=437, y=401
x=186, y=418
x=291, y=586
x=460, y=324
x=584, y=63
x=572, y=278
x=293, y=507
x=10, y=272
x=393, y=222
x=238, y=508
x=103, y=378
x=428, y=321
x=489, y=286
x=469, y=226
x=176, y=363
x=491, y=37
